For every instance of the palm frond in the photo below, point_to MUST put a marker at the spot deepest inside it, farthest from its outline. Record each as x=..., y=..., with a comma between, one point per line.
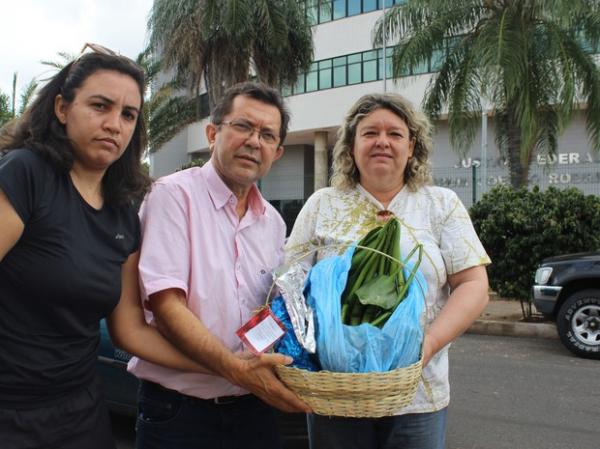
x=27, y=94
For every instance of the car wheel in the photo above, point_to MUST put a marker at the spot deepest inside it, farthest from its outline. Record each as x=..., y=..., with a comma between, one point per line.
x=578, y=323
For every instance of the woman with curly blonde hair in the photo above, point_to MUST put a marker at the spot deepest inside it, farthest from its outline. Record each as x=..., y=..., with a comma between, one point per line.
x=417, y=173
x=381, y=169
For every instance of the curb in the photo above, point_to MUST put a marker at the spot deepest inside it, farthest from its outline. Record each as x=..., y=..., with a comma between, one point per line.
x=512, y=329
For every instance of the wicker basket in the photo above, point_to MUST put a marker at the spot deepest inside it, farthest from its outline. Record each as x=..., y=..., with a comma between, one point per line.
x=356, y=395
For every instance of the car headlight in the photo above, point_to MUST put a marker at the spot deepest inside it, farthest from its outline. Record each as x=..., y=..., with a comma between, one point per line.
x=542, y=275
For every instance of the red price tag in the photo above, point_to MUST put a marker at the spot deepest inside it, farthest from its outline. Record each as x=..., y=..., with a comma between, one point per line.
x=261, y=331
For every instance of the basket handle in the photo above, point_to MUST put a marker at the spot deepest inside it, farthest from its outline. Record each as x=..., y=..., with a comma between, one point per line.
x=402, y=263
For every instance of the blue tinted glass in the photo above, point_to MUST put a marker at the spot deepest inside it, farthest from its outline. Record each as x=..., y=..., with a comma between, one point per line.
x=312, y=81
x=325, y=11
x=325, y=79
x=437, y=57
x=299, y=87
x=423, y=67
x=312, y=11
x=339, y=61
x=369, y=71
x=357, y=57
x=353, y=7
x=369, y=5
x=339, y=9
x=339, y=76
x=368, y=55
x=388, y=68
x=354, y=73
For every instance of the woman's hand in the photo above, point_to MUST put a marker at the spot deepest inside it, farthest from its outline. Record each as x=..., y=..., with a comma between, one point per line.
x=129, y=330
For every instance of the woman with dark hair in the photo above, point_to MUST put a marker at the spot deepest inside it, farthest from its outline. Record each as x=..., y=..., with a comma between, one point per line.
x=69, y=238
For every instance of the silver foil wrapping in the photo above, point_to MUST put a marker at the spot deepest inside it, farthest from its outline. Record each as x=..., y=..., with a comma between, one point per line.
x=290, y=280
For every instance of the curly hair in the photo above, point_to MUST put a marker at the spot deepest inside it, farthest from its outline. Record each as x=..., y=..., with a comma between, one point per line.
x=345, y=174
x=125, y=181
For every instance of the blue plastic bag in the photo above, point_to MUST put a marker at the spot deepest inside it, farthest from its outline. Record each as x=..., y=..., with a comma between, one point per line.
x=289, y=344
x=363, y=348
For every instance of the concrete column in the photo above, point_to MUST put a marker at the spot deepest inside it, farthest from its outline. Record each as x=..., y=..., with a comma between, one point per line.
x=321, y=167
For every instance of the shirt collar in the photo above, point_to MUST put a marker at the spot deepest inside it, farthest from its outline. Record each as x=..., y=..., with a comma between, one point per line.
x=220, y=194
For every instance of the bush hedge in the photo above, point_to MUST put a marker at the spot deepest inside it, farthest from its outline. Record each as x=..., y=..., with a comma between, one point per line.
x=520, y=227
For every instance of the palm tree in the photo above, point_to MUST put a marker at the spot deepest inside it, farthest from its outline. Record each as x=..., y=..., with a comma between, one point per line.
x=166, y=110
x=5, y=112
x=227, y=41
x=8, y=104
x=530, y=59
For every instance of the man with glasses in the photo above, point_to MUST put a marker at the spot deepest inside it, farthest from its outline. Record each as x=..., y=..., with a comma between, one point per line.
x=210, y=242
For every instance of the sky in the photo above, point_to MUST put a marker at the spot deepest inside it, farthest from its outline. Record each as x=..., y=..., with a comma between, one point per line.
x=36, y=30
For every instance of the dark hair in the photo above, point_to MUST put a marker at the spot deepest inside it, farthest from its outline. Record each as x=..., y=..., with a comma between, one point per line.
x=257, y=91
x=125, y=181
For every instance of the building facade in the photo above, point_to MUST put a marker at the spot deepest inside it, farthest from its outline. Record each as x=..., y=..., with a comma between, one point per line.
x=347, y=66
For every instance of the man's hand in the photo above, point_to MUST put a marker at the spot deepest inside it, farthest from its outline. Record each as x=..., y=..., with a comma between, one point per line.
x=188, y=334
x=256, y=374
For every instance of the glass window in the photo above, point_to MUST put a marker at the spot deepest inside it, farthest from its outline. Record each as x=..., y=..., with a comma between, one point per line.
x=325, y=79
x=353, y=7
x=356, y=57
x=369, y=55
x=312, y=81
x=339, y=9
x=388, y=62
x=312, y=78
x=422, y=67
x=312, y=11
x=369, y=5
x=437, y=57
x=339, y=71
x=369, y=66
x=299, y=87
x=354, y=68
x=325, y=11
x=369, y=71
x=325, y=73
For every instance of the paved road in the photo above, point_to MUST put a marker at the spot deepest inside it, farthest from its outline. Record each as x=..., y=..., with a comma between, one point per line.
x=522, y=393
x=509, y=393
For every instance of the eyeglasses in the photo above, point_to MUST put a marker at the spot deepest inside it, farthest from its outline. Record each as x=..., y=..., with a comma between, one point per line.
x=97, y=48
x=246, y=129
x=102, y=50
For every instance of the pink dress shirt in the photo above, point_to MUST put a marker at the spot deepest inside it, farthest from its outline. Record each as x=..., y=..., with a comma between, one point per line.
x=193, y=240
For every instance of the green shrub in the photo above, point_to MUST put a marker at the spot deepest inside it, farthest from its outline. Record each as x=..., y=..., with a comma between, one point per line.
x=518, y=228
x=197, y=162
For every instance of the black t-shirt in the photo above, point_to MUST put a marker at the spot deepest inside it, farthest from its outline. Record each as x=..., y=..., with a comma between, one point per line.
x=56, y=284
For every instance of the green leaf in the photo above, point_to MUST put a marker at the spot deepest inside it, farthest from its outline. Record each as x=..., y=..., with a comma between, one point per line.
x=381, y=291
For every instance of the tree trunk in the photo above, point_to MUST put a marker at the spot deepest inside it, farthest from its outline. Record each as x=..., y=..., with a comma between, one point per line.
x=518, y=173
x=215, y=85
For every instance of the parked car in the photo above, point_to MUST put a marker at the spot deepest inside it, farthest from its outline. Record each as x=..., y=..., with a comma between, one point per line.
x=120, y=391
x=567, y=289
